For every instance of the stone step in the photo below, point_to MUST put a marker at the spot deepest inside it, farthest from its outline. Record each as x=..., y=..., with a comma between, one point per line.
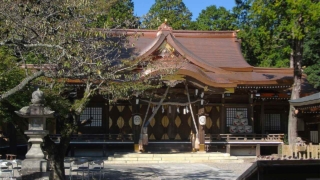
x=147, y=155
x=175, y=161
x=150, y=158
x=173, y=158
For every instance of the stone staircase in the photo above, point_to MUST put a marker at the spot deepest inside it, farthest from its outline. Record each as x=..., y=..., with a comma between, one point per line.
x=153, y=158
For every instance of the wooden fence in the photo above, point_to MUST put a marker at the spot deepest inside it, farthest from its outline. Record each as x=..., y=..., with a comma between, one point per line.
x=303, y=151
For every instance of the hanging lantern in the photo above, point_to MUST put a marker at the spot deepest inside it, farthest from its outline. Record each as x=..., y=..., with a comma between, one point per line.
x=178, y=111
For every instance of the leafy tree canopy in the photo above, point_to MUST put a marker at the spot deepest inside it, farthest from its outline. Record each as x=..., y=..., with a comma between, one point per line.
x=311, y=57
x=10, y=75
x=213, y=18
x=277, y=31
x=56, y=38
x=120, y=15
x=175, y=11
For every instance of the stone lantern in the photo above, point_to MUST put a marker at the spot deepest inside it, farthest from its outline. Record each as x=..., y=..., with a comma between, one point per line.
x=34, y=164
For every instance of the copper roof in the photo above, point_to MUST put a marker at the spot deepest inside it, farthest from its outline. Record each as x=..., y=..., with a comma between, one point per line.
x=214, y=57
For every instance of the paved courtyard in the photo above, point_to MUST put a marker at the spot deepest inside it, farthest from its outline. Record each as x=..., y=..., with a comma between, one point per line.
x=168, y=171
x=214, y=171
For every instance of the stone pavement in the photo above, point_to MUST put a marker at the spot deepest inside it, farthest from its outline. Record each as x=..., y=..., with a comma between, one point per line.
x=168, y=171
x=171, y=171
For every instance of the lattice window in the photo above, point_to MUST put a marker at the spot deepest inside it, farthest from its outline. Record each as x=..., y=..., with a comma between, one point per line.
x=95, y=112
x=272, y=122
x=231, y=114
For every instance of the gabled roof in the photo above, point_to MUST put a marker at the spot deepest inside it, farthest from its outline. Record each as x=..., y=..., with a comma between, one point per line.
x=214, y=57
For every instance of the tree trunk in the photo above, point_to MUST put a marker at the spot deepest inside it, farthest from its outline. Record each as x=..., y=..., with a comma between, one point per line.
x=56, y=154
x=296, y=89
x=58, y=166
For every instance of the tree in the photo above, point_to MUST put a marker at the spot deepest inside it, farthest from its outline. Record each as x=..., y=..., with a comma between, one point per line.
x=8, y=81
x=175, y=11
x=242, y=11
x=311, y=56
x=120, y=15
x=282, y=25
x=213, y=18
x=260, y=42
x=56, y=38
x=7, y=107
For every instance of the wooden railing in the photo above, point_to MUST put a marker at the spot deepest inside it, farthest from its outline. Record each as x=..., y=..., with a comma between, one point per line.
x=304, y=151
x=245, y=137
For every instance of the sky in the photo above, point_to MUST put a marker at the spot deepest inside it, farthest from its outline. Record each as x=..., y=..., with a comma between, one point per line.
x=141, y=7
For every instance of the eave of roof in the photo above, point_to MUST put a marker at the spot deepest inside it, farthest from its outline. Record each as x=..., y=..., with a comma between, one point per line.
x=273, y=70
x=305, y=101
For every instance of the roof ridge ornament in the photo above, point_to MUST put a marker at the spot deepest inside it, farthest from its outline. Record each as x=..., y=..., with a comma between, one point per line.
x=164, y=26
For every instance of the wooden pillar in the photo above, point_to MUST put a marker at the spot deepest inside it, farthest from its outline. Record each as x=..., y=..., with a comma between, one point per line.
x=258, y=150
x=279, y=149
x=136, y=128
x=262, y=118
x=201, y=138
x=319, y=133
x=228, y=148
x=222, y=116
x=201, y=112
x=107, y=115
x=12, y=138
x=251, y=112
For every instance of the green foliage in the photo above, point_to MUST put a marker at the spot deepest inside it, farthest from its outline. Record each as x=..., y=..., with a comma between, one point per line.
x=175, y=11
x=119, y=15
x=277, y=30
x=269, y=28
x=311, y=56
x=261, y=40
x=241, y=11
x=10, y=75
x=313, y=73
x=213, y=18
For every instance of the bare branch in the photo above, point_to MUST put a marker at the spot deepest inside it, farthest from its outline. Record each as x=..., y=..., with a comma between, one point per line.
x=21, y=85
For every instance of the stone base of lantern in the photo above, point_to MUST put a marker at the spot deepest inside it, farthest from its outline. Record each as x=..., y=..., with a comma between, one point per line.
x=34, y=169
x=36, y=138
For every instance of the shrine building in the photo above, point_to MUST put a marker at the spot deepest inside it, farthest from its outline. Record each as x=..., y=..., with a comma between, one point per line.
x=214, y=101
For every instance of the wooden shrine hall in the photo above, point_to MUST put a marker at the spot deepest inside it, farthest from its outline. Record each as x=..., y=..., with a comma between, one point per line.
x=213, y=101
x=308, y=110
